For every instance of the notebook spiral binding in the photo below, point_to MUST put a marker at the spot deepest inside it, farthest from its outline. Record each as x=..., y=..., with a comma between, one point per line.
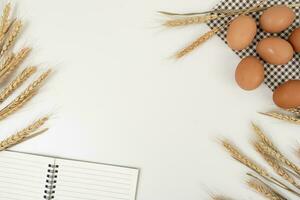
x=51, y=181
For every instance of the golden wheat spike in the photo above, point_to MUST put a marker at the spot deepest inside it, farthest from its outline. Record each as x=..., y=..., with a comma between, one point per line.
x=262, y=136
x=17, y=82
x=23, y=134
x=5, y=19
x=264, y=190
x=239, y=156
x=24, y=97
x=283, y=117
x=12, y=36
x=6, y=60
x=14, y=63
x=295, y=111
x=220, y=197
x=278, y=156
x=197, y=43
x=276, y=166
x=190, y=20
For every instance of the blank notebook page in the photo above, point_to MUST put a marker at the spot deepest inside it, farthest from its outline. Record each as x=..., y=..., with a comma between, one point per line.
x=89, y=181
x=22, y=176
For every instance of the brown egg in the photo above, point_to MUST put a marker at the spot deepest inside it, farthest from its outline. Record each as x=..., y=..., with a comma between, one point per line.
x=249, y=74
x=241, y=32
x=275, y=50
x=295, y=39
x=277, y=18
x=287, y=95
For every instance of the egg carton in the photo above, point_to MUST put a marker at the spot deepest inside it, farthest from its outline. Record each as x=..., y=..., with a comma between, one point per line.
x=274, y=74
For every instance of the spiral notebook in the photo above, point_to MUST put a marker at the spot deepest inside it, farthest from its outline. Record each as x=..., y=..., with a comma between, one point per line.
x=34, y=177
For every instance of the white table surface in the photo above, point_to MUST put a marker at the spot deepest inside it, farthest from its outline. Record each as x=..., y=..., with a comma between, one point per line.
x=116, y=96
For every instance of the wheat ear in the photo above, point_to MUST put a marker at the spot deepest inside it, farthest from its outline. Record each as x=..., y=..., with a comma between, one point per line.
x=236, y=154
x=190, y=20
x=295, y=111
x=6, y=60
x=263, y=137
x=5, y=19
x=12, y=36
x=17, y=82
x=24, y=97
x=197, y=42
x=14, y=64
x=276, y=166
x=23, y=134
x=264, y=190
x=219, y=197
x=282, y=117
x=278, y=156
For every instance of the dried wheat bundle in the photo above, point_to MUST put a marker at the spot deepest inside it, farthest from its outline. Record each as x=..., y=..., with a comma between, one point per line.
x=283, y=117
x=9, y=62
x=282, y=172
x=288, y=172
x=22, y=135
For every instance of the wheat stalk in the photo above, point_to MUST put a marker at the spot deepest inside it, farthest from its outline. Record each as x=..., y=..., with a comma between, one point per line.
x=219, y=197
x=24, y=97
x=276, y=166
x=7, y=59
x=236, y=154
x=14, y=63
x=264, y=190
x=5, y=19
x=23, y=134
x=283, y=117
x=278, y=156
x=12, y=36
x=18, y=81
x=197, y=43
x=263, y=137
x=190, y=20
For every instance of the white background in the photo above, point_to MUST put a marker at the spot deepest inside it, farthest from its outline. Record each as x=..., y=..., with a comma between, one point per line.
x=117, y=97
